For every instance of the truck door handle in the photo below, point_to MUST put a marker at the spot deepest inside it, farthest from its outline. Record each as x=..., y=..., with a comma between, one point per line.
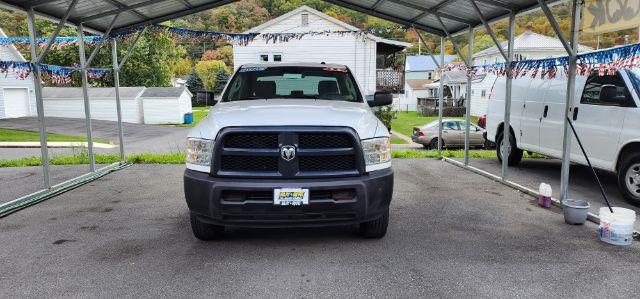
x=575, y=113
x=546, y=111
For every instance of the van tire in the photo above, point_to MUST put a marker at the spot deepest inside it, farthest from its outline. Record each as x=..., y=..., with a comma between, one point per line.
x=205, y=231
x=628, y=162
x=516, y=154
x=375, y=229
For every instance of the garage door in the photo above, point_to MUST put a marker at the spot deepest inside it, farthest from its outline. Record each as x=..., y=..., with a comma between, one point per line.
x=16, y=102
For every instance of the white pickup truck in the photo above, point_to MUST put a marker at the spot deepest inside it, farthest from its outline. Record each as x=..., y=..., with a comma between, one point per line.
x=605, y=115
x=290, y=145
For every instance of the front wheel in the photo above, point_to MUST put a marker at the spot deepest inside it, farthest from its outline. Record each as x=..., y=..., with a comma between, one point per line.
x=629, y=179
x=375, y=229
x=206, y=231
x=515, y=156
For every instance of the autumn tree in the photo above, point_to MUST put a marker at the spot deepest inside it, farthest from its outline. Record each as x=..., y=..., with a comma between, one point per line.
x=208, y=69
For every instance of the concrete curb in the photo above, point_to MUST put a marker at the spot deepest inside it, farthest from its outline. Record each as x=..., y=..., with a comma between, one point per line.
x=56, y=144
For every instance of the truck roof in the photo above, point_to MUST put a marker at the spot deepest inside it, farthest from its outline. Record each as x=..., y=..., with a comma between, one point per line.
x=289, y=64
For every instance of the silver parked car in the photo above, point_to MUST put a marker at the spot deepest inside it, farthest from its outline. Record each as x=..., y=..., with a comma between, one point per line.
x=452, y=134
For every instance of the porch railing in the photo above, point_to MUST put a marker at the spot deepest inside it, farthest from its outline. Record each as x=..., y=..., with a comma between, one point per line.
x=390, y=81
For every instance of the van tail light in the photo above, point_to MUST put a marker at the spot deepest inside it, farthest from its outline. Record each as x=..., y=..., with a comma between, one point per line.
x=420, y=133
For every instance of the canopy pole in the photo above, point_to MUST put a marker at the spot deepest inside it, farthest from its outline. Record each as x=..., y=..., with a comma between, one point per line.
x=441, y=96
x=506, y=146
x=85, y=95
x=468, y=98
x=571, y=92
x=116, y=80
x=37, y=86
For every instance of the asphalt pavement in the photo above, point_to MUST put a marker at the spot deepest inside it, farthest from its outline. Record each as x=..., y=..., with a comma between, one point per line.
x=139, y=138
x=531, y=172
x=452, y=233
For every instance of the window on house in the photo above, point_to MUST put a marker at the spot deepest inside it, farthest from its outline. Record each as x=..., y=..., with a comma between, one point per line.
x=305, y=19
x=483, y=94
x=277, y=57
x=264, y=57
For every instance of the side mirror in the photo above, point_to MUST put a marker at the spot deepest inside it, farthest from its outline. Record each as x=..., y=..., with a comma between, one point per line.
x=609, y=94
x=381, y=99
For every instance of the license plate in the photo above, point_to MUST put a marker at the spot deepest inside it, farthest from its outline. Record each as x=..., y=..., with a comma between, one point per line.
x=290, y=197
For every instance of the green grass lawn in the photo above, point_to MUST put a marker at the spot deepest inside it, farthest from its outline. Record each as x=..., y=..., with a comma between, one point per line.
x=398, y=141
x=477, y=154
x=179, y=158
x=198, y=114
x=7, y=135
x=405, y=121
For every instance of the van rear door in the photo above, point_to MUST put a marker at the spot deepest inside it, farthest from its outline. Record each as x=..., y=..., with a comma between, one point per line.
x=599, y=118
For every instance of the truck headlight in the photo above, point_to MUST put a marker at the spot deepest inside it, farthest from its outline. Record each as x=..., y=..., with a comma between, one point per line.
x=199, y=151
x=376, y=150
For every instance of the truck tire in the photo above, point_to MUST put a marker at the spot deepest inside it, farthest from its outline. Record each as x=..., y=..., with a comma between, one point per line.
x=206, y=231
x=516, y=154
x=375, y=229
x=629, y=179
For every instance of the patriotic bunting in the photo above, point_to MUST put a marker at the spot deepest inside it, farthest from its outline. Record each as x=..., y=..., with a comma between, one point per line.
x=606, y=62
x=55, y=74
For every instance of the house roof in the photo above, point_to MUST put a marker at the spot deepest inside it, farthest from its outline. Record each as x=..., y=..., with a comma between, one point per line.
x=418, y=84
x=459, y=77
x=345, y=26
x=298, y=10
x=419, y=63
x=163, y=92
x=531, y=41
x=97, y=92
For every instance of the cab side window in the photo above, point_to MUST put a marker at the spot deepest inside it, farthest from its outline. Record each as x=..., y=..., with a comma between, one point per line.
x=607, y=90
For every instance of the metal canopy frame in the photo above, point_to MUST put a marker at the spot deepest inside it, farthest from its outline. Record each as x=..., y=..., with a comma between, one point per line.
x=445, y=18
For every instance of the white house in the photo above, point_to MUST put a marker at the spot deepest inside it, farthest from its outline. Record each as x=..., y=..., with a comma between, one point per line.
x=17, y=97
x=154, y=105
x=528, y=45
x=364, y=55
x=420, y=70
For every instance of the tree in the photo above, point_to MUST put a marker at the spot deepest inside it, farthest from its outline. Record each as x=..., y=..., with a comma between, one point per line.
x=181, y=67
x=221, y=80
x=207, y=69
x=194, y=85
x=224, y=53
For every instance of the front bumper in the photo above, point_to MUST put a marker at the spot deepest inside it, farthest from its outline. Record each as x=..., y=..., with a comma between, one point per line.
x=373, y=193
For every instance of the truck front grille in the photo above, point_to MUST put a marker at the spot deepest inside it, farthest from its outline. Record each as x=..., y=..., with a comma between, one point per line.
x=256, y=152
x=249, y=163
x=251, y=140
x=327, y=163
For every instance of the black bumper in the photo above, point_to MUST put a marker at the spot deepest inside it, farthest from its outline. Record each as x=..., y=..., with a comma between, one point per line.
x=373, y=193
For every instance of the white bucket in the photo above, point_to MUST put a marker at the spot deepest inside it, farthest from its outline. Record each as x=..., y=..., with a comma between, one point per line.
x=617, y=228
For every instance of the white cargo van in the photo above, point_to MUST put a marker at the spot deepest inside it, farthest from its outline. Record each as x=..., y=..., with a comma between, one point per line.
x=605, y=114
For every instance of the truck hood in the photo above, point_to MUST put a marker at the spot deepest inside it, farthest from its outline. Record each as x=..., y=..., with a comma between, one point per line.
x=290, y=112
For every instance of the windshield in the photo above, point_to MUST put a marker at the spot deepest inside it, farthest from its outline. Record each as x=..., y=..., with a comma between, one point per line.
x=323, y=83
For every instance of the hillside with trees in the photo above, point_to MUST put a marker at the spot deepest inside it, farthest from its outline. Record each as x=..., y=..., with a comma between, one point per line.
x=158, y=57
